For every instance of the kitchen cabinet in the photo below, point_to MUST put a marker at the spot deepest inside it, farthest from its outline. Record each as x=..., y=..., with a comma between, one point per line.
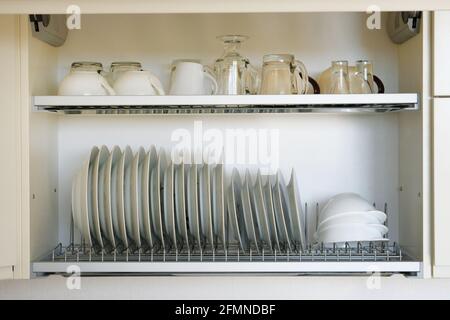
x=10, y=144
x=376, y=149
x=441, y=153
x=441, y=53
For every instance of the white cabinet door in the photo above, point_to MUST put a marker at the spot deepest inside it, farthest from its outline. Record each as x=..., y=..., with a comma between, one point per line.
x=9, y=144
x=441, y=53
x=441, y=187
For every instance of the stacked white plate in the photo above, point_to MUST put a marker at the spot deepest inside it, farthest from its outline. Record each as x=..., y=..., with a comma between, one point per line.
x=125, y=199
x=348, y=217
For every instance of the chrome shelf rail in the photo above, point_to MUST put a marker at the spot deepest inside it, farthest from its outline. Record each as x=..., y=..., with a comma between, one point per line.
x=362, y=259
x=249, y=104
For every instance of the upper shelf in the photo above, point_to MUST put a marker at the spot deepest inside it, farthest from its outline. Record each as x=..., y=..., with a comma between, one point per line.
x=330, y=103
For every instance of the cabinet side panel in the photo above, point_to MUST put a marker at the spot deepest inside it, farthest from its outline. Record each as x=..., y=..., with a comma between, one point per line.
x=9, y=142
x=441, y=182
x=43, y=152
x=441, y=53
x=414, y=148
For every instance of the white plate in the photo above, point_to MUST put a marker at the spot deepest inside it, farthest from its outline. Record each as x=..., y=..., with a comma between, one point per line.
x=73, y=199
x=110, y=195
x=157, y=177
x=103, y=159
x=294, y=236
x=219, y=205
x=97, y=189
x=250, y=221
x=76, y=201
x=260, y=211
x=235, y=213
x=123, y=194
x=296, y=211
x=127, y=193
x=205, y=204
x=86, y=198
x=283, y=234
x=270, y=210
x=192, y=201
x=169, y=206
x=180, y=205
x=148, y=164
x=135, y=184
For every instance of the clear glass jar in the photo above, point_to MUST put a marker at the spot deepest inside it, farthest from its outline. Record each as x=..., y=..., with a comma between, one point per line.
x=339, y=77
x=234, y=73
x=282, y=74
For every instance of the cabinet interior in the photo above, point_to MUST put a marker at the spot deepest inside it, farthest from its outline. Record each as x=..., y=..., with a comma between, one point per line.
x=376, y=155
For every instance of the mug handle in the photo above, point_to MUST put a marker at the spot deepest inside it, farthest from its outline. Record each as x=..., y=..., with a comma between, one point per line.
x=315, y=85
x=253, y=77
x=156, y=84
x=302, y=80
x=209, y=73
x=106, y=85
x=379, y=83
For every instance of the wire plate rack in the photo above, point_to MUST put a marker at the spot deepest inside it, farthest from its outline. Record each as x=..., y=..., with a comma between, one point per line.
x=361, y=258
x=343, y=258
x=368, y=251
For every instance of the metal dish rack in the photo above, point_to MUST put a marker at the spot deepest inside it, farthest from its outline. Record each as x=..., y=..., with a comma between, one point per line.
x=349, y=258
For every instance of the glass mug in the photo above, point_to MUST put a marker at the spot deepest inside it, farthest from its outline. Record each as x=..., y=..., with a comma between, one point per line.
x=359, y=78
x=235, y=74
x=362, y=79
x=282, y=74
x=340, y=83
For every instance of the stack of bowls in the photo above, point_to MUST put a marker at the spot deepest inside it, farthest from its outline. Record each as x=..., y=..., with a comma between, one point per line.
x=348, y=217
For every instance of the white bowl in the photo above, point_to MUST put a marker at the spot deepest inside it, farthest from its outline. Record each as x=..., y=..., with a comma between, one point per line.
x=364, y=217
x=351, y=232
x=342, y=203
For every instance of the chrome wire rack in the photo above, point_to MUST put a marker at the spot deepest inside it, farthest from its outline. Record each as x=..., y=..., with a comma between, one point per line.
x=347, y=258
x=368, y=251
x=362, y=258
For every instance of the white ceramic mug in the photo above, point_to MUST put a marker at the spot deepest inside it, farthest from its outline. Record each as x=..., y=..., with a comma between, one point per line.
x=138, y=82
x=84, y=83
x=192, y=78
x=85, y=79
